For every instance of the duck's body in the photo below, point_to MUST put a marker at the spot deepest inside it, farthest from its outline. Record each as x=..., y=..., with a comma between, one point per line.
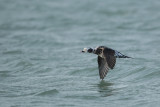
x=106, y=58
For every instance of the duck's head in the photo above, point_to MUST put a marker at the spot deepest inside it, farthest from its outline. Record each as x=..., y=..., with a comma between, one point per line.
x=89, y=50
x=98, y=50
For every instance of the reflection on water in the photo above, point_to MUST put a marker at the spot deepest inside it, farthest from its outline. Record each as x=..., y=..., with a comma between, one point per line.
x=105, y=88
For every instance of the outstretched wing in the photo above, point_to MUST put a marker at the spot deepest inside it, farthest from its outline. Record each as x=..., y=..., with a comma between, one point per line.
x=111, y=60
x=103, y=67
x=106, y=63
x=109, y=54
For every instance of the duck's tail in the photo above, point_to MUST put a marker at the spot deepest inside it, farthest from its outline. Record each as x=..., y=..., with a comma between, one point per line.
x=120, y=55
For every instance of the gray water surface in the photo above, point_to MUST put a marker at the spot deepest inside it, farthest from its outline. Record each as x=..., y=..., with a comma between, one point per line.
x=41, y=64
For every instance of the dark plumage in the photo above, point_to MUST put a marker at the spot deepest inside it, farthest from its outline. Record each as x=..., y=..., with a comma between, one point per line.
x=106, y=58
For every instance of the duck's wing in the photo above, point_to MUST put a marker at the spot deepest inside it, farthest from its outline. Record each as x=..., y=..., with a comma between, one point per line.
x=103, y=67
x=107, y=62
x=111, y=61
x=109, y=55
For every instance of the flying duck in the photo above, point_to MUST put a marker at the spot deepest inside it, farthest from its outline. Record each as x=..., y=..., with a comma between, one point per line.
x=106, y=58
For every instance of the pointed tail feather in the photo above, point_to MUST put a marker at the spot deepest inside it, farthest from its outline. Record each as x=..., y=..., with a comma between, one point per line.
x=120, y=55
x=123, y=56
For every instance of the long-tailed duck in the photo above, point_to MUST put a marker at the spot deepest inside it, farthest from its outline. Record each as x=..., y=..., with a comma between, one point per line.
x=106, y=58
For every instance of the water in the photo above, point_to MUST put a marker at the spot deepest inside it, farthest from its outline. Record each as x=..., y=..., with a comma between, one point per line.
x=41, y=64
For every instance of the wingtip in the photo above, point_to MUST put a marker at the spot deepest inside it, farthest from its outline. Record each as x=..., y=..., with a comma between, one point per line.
x=101, y=78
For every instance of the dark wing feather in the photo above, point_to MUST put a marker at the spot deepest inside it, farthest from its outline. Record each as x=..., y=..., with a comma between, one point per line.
x=103, y=67
x=111, y=60
x=109, y=54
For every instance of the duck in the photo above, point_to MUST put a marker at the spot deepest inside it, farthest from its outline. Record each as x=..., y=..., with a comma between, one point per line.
x=106, y=58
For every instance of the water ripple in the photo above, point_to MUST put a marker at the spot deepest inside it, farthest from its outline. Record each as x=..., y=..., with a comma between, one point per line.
x=48, y=93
